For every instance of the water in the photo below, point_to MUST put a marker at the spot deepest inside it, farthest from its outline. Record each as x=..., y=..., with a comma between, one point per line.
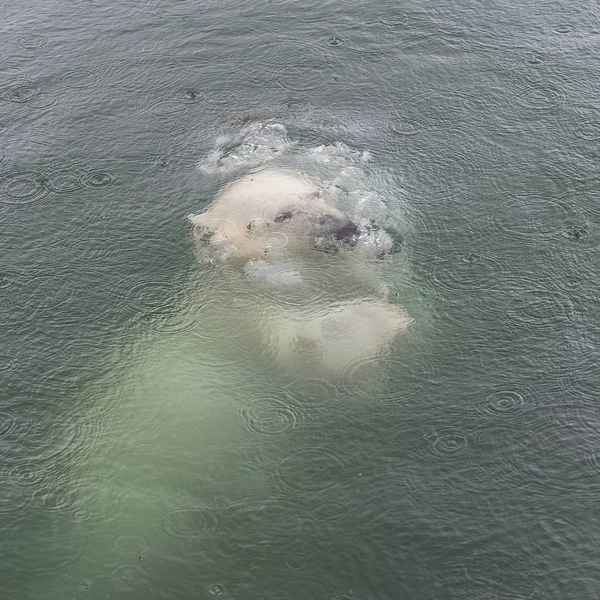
x=152, y=444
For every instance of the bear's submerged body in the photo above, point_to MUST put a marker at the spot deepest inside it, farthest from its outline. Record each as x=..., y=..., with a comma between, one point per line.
x=313, y=270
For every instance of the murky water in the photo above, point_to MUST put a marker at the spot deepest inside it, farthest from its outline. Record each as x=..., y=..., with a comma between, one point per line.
x=156, y=443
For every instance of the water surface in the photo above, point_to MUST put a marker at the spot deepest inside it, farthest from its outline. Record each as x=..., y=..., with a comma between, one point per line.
x=151, y=451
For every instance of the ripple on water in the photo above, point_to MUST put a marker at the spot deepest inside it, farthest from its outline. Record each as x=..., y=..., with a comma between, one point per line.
x=363, y=52
x=27, y=92
x=334, y=41
x=409, y=373
x=97, y=500
x=487, y=568
x=33, y=42
x=80, y=78
x=395, y=20
x=201, y=232
x=28, y=477
x=579, y=370
x=67, y=540
x=406, y=125
x=311, y=395
x=305, y=76
x=8, y=279
x=23, y=187
x=359, y=373
x=539, y=308
x=192, y=522
x=297, y=103
x=99, y=178
x=521, y=184
x=587, y=126
x=296, y=561
x=592, y=453
x=28, y=186
x=167, y=321
x=7, y=423
x=533, y=215
x=168, y=108
x=86, y=585
x=53, y=442
x=268, y=417
x=274, y=53
x=582, y=233
x=501, y=401
x=492, y=108
x=222, y=97
x=327, y=508
x=539, y=96
x=13, y=498
x=19, y=94
x=306, y=588
x=189, y=96
x=247, y=532
x=130, y=546
x=130, y=578
x=149, y=6
x=563, y=28
x=466, y=272
x=216, y=590
x=148, y=71
x=154, y=296
x=540, y=455
x=8, y=361
x=212, y=319
x=447, y=444
x=66, y=181
x=420, y=113
x=312, y=469
x=275, y=240
x=535, y=58
x=450, y=445
x=58, y=497
x=42, y=291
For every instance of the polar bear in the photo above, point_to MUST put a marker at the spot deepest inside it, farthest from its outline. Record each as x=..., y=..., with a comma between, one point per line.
x=269, y=210
x=311, y=267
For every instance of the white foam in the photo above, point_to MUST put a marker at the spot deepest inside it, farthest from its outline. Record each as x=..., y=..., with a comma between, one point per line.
x=255, y=145
x=278, y=274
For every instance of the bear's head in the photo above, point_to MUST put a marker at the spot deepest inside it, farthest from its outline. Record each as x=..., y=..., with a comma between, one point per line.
x=273, y=210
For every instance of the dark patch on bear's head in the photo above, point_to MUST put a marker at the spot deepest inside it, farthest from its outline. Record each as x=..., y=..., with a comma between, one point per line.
x=348, y=233
x=329, y=231
x=284, y=217
x=334, y=232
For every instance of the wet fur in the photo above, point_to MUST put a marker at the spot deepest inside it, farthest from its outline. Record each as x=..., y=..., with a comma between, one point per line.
x=273, y=217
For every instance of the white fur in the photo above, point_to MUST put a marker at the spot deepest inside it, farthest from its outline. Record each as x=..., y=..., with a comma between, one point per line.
x=337, y=311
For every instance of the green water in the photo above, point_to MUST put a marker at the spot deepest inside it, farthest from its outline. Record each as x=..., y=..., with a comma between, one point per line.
x=150, y=444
